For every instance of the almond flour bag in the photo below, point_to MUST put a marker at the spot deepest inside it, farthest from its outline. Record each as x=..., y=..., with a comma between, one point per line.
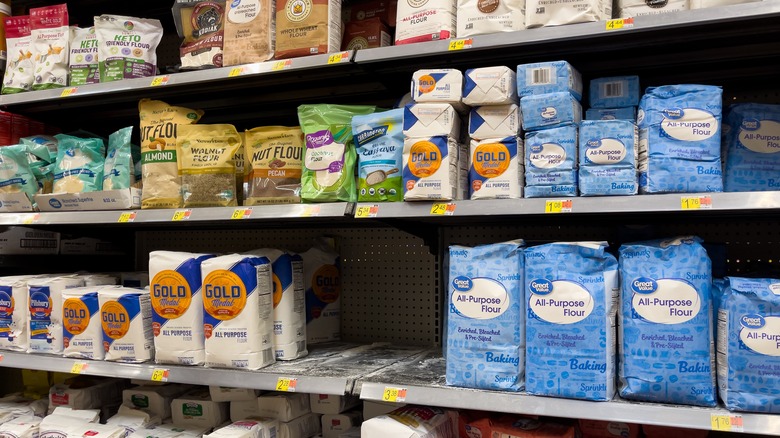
x=307, y=27
x=127, y=47
x=83, y=56
x=206, y=166
x=19, y=70
x=159, y=123
x=249, y=32
x=200, y=23
x=51, y=41
x=274, y=158
x=79, y=167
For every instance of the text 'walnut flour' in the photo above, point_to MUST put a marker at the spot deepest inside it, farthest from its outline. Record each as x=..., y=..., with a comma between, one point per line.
x=206, y=166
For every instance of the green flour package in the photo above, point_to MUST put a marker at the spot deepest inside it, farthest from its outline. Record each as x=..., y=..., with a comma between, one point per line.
x=379, y=138
x=118, y=170
x=15, y=173
x=79, y=166
x=127, y=47
x=329, y=154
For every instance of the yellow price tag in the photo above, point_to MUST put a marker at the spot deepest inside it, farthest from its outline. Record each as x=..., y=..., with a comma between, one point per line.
x=286, y=384
x=241, y=213
x=236, y=71
x=160, y=375
x=394, y=395
x=460, y=44
x=365, y=211
x=558, y=206
x=338, y=57
x=696, y=202
x=126, y=217
x=281, y=65
x=180, y=215
x=78, y=367
x=69, y=91
x=727, y=423
x=620, y=23
x=31, y=219
x=441, y=208
x=160, y=80
x=311, y=211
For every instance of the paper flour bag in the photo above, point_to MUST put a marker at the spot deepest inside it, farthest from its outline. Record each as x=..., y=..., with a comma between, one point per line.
x=322, y=281
x=425, y=20
x=46, y=312
x=559, y=12
x=177, y=307
x=156, y=400
x=435, y=168
x=238, y=311
x=478, y=17
x=496, y=168
x=14, y=313
x=126, y=316
x=247, y=429
x=637, y=8
x=20, y=428
x=83, y=334
x=410, y=421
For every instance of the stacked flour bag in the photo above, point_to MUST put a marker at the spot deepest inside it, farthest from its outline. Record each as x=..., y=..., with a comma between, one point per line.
x=337, y=418
x=478, y=17
x=293, y=413
x=65, y=422
x=700, y=4
x=496, y=148
x=560, y=12
x=752, y=148
x=14, y=313
x=132, y=419
x=81, y=319
x=435, y=162
x=379, y=142
x=749, y=345
x=83, y=392
x=485, y=320
x=666, y=323
x=259, y=428
x=613, y=98
x=45, y=307
x=154, y=400
x=680, y=139
x=196, y=409
x=411, y=421
x=608, y=158
x=126, y=319
x=425, y=20
x=549, y=97
x=322, y=281
x=572, y=290
x=636, y=8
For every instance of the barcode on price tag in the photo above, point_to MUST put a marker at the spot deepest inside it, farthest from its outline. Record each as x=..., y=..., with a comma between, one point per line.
x=727, y=423
x=394, y=395
x=160, y=375
x=286, y=384
x=558, y=206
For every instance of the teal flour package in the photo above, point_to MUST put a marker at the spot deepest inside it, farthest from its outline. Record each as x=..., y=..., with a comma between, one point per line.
x=485, y=321
x=379, y=139
x=571, y=291
x=665, y=323
x=79, y=167
x=119, y=171
x=749, y=345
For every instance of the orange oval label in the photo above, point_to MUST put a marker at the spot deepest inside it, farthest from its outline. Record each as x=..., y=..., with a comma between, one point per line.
x=491, y=159
x=224, y=294
x=170, y=293
x=114, y=319
x=424, y=159
x=277, y=291
x=326, y=283
x=426, y=84
x=75, y=316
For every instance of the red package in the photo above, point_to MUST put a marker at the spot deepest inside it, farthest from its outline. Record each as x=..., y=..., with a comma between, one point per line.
x=672, y=432
x=473, y=423
x=20, y=127
x=365, y=34
x=608, y=429
x=519, y=427
x=384, y=9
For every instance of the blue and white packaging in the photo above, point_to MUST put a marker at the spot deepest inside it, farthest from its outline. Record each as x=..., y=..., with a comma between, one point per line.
x=494, y=121
x=431, y=119
x=548, y=191
x=45, y=307
x=379, y=143
x=572, y=290
x=753, y=148
x=614, y=92
x=679, y=128
x=551, y=178
x=490, y=86
x=608, y=157
x=749, y=345
x=551, y=154
x=548, y=77
x=665, y=323
x=627, y=113
x=545, y=111
x=496, y=169
x=443, y=85
x=14, y=313
x=608, y=181
x=486, y=321
x=127, y=324
x=82, y=329
x=435, y=168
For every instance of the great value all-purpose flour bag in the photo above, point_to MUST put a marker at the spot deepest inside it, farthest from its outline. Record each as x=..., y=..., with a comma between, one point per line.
x=614, y=92
x=749, y=345
x=572, y=290
x=45, y=300
x=486, y=321
x=665, y=323
x=551, y=158
x=322, y=281
x=14, y=313
x=496, y=169
x=608, y=151
x=753, y=148
x=238, y=311
x=83, y=335
x=548, y=77
x=126, y=316
x=425, y=20
x=379, y=139
x=177, y=304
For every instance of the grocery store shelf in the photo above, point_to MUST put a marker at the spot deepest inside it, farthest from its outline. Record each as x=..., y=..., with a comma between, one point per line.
x=328, y=369
x=194, y=216
x=423, y=379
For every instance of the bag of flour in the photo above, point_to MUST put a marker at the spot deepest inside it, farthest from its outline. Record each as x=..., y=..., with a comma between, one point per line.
x=15, y=173
x=83, y=333
x=51, y=46
x=307, y=27
x=14, y=313
x=118, y=171
x=26, y=427
x=249, y=32
x=410, y=421
x=126, y=317
x=127, y=47
x=274, y=160
x=478, y=17
x=80, y=163
x=425, y=20
x=379, y=139
x=265, y=428
x=83, y=56
x=19, y=74
x=45, y=296
x=322, y=281
x=201, y=24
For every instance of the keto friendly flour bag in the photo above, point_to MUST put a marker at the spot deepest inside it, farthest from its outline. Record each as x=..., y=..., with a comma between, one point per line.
x=665, y=323
x=486, y=320
x=127, y=47
x=83, y=56
x=80, y=163
x=379, y=139
x=329, y=155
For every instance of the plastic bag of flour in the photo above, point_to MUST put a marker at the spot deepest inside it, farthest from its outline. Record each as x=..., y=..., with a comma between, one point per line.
x=83, y=56
x=80, y=164
x=200, y=23
x=206, y=166
x=127, y=47
x=118, y=171
x=379, y=139
x=15, y=173
x=274, y=159
x=51, y=46
x=18, y=75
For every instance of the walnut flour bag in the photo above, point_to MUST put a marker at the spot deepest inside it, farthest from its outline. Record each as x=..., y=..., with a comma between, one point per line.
x=159, y=126
x=206, y=165
x=274, y=157
x=307, y=27
x=249, y=32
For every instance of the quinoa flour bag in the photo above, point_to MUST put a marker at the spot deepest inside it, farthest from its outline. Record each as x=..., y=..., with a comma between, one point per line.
x=51, y=41
x=159, y=122
x=249, y=32
x=83, y=56
x=208, y=172
x=307, y=27
x=274, y=160
x=18, y=75
x=127, y=47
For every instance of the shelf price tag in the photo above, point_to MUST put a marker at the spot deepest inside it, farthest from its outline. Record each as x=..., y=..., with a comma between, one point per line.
x=311, y=211
x=281, y=65
x=441, y=208
x=727, y=423
x=364, y=211
x=78, y=367
x=558, y=206
x=338, y=57
x=31, y=219
x=394, y=395
x=235, y=71
x=620, y=23
x=160, y=80
x=160, y=375
x=68, y=91
x=460, y=44
x=180, y=215
x=286, y=384
x=696, y=202
x=1, y=357
x=241, y=213
x=126, y=217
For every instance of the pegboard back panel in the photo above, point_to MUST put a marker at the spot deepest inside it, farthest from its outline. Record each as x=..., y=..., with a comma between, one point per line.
x=390, y=280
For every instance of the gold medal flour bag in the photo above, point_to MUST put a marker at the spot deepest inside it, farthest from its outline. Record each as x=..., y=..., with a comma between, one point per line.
x=159, y=124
